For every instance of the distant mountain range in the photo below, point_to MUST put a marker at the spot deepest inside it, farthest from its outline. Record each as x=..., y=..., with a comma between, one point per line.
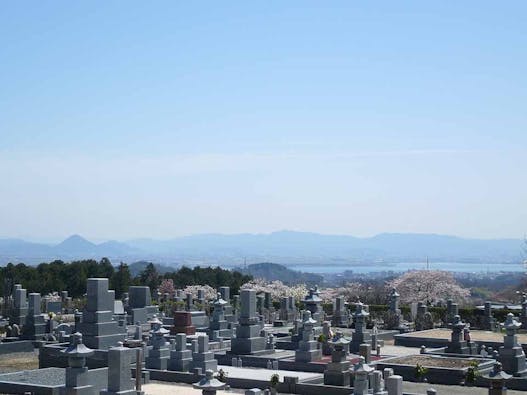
x=281, y=247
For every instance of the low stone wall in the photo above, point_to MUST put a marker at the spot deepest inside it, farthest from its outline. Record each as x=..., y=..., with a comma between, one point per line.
x=16, y=346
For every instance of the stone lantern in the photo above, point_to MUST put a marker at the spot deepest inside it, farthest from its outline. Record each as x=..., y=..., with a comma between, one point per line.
x=160, y=353
x=208, y=384
x=361, y=370
x=511, y=354
x=497, y=378
x=77, y=378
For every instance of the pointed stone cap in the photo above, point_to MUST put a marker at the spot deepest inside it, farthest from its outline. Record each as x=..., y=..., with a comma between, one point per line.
x=157, y=326
x=497, y=373
x=394, y=293
x=511, y=323
x=308, y=319
x=359, y=310
x=458, y=324
x=312, y=296
x=340, y=342
x=77, y=349
x=209, y=382
x=219, y=301
x=155, y=320
x=362, y=367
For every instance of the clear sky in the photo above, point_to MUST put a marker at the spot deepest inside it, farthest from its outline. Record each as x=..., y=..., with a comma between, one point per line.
x=122, y=119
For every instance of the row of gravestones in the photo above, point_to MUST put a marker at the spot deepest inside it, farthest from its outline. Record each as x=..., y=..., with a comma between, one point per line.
x=510, y=355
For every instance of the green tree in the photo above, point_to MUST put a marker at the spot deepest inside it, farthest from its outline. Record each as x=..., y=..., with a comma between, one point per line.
x=121, y=280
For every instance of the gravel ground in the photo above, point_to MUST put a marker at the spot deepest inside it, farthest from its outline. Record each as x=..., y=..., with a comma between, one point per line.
x=160, y=388
x=18, y=361
x=432, y=361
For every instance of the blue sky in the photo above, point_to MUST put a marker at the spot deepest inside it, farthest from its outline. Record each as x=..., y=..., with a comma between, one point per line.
x=129, y=119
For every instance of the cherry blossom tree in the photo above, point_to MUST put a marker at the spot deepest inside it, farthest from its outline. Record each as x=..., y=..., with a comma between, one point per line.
x=277, y=289
x=429, y=286
x=167, y=287
x=210, y=293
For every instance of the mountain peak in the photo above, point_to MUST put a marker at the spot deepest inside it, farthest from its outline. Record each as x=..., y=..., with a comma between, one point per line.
x=75, y=242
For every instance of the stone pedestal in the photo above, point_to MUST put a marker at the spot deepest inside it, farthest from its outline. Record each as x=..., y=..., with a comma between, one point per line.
x=183, y=323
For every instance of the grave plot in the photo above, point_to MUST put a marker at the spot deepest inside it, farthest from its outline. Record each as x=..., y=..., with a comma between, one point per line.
x=440, y=338
x=436, y=369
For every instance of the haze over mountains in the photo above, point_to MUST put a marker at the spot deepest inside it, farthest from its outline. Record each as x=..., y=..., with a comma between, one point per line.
x=281, y=247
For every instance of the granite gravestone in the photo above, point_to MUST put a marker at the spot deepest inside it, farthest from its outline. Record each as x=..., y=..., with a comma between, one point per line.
x=97, y=326
x=119, y=371
x=180, y=357
x=35, y=325
x=248, y=338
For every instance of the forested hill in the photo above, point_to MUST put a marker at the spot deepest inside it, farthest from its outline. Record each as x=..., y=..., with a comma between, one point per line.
x=272, y=271
x=59, y=276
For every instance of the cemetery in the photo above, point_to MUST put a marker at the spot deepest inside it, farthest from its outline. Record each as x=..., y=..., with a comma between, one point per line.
x=245, y=342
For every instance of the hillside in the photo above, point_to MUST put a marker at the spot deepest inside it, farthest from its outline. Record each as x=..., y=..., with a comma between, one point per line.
x=272, y=271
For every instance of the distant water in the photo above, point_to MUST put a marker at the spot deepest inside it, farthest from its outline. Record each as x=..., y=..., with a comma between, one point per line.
x=404, y=266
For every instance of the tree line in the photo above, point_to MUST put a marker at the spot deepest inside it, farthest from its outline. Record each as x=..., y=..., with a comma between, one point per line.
x=71, y=277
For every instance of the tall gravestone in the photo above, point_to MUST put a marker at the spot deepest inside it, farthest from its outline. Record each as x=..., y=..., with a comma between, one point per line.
x=489, y=322
x=359, y=335
x=20, y=306
x=248, y=338
x=181, y=357
x=423, y=318
x=35, y=325
x=340, y=313
x=97, y=326
x=452, y=310
x=119, y=371
x=202, y=357
x=139, y=307
x=228, y=310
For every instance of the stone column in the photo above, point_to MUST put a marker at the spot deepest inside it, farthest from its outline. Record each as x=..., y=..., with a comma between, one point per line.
x=119, y=373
